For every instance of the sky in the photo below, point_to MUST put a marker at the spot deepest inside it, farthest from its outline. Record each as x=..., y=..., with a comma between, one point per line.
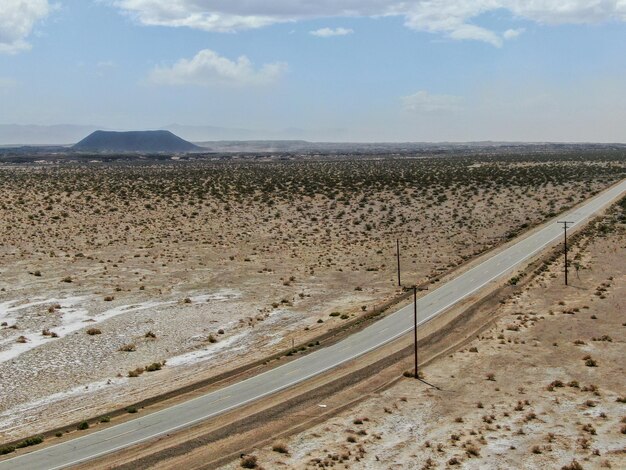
x=335, y=70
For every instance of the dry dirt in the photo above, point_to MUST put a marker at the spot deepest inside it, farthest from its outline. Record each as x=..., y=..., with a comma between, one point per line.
x=208, y=266
x=542, y=388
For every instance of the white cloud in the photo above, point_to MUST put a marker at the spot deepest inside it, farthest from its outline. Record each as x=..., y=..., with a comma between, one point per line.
x=424, y=102
x=452, y=18
x=329, y=32
x=17, y=19
x=512, y=33
x=208, y=68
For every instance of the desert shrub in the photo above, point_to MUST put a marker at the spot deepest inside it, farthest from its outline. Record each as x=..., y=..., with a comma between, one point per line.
x=335, y=314
x=555, y=384
x=472, y=451
x=280, y=447
x=31, y=441
x=109, y=298
x=93, y=331
x=588, y=428
x=7, y=450
x=82, y=426
x=136, y=373
x=150, y=334
x=249, y=461
x=128, y=348
x=212, y=338
x=131, y=410
x=153, y=367
x=105, y=419
x=574, y=465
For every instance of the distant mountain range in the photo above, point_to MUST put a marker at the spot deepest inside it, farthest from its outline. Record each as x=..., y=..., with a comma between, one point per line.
x=68, y=134
x=134, y=141
x=32, y=140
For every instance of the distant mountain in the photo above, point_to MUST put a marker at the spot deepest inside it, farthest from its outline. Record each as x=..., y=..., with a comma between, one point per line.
x=214, y=133
x=135, y=141
x=203, y=133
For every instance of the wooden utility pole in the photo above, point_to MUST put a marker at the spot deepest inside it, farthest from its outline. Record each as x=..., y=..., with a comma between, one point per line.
x=398, y=256
x=565, y=244
x=417, y=376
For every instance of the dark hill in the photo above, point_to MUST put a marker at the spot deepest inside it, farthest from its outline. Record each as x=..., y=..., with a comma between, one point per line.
x=135, y=141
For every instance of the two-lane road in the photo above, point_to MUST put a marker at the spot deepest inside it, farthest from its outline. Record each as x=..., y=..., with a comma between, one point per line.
x=374, y=336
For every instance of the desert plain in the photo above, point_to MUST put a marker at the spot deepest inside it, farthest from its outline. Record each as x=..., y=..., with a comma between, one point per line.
x=122, y=280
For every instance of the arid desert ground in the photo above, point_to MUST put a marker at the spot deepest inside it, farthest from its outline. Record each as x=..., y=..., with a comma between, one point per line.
x=119, y=281
x=543, y=387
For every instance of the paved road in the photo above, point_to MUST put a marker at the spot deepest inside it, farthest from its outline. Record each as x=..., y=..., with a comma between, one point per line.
x=381, y=332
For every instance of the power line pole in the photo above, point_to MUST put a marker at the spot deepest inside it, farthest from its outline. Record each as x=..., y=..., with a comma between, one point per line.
x=417, y=376
x=565, y=244
x=398, y=256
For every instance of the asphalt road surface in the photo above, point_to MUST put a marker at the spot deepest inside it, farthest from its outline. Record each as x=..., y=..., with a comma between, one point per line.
x=385, y=330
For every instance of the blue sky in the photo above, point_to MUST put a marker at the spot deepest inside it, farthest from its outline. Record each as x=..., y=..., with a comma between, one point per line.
x=344, y=70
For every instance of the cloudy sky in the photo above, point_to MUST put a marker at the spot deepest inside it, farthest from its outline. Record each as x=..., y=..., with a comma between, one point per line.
x=366, y=70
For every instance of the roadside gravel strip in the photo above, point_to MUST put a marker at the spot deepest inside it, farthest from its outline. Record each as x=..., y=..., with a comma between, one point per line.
x=387, y=329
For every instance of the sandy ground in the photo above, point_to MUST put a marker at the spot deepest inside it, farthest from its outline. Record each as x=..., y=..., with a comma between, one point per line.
x=543, y=388
x=204, y=267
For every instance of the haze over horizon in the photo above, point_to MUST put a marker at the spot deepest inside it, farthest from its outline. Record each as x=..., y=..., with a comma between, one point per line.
x=417, y=71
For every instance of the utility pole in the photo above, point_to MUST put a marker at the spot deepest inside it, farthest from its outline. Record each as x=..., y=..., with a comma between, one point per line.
x=417, y=376
x=398, y=256
x=565, y=244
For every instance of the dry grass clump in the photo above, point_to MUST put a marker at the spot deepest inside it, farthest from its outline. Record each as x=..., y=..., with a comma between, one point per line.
x=93, y=331
x=153, y=367
x=249, y=461
x=280, y=447
x=574, y=465
x=136, y=372
x=128, y=348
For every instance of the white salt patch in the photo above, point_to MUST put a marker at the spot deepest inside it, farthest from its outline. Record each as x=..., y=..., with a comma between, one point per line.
x=200, y=355
x=73, y=319
x=76, y=319
x=220, y=296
